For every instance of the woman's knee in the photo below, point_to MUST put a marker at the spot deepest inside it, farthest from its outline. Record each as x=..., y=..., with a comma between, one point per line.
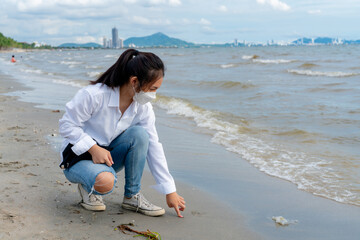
x=139, y=134
x=104, y=182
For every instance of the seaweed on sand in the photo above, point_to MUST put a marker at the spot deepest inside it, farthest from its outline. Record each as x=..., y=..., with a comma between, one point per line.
x=150, y=235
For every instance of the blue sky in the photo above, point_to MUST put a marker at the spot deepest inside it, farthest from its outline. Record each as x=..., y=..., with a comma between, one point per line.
x=200, y=21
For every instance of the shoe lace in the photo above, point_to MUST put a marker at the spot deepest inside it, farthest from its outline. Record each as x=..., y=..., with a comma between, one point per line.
x=141, y=200
x=95, y=198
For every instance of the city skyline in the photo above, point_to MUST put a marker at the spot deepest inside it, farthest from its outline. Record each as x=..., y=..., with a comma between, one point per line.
x=114, y=41
x=55, y=22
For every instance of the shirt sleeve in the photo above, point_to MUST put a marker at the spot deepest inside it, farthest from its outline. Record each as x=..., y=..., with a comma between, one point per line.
x=156, y=157
x=78, y=111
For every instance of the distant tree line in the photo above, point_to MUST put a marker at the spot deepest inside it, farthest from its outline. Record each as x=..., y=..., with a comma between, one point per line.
x=7, y=42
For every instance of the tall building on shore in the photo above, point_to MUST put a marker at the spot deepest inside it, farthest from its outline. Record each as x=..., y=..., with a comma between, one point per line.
x=115, y=37
x=104, y=42
x=121, y=43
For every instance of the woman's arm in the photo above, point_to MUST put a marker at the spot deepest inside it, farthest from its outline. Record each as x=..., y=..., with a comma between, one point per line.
x=158, y=164
x=78, y=111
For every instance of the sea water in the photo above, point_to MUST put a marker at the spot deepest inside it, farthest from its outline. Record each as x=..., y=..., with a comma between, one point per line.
x=292, y=112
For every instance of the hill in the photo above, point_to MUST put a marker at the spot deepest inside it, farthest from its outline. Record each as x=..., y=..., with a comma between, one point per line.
x=80, y=45
x=7, y=42
x=157, y=40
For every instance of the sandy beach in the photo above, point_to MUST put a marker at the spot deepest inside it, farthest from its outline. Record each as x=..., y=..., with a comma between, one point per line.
x=227, y=197
x=37, y=202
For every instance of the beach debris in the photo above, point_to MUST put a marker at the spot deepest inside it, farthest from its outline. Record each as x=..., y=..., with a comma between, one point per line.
x=56, y=111
x=280, y=220
x=148, y=234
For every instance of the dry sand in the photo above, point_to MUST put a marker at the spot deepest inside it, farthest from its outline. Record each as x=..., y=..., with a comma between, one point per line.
x=37, y=202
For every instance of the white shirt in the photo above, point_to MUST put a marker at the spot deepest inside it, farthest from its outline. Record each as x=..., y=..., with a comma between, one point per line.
x=93, y=116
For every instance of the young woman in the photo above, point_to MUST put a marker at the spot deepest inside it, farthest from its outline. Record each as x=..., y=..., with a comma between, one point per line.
x=110, y=125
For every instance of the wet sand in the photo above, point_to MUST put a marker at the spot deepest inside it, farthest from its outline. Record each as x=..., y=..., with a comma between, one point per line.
x=37, y=202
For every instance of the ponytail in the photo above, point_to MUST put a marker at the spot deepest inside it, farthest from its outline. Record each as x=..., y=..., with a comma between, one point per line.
x=146, y=66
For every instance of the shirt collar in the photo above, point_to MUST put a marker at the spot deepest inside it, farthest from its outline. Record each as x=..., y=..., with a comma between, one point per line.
x=114, y=97
x=115, y=100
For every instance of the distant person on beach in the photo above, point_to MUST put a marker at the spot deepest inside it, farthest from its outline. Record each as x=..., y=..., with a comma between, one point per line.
x=110, y=125
x=13, y=59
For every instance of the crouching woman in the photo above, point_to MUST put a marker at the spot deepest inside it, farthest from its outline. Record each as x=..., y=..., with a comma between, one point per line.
x=109, y=126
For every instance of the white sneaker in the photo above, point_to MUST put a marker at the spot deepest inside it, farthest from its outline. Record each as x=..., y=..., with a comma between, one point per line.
x=139, y=203
x=91, y=201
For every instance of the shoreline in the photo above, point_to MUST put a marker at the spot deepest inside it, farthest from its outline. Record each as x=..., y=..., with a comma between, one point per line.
x=39, y=202
x=226, y=196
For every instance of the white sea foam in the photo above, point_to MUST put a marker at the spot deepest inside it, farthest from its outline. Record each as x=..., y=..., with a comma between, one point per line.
x=70, y=62
x=70, y=83
x=248, y=57
x=307, y=172
x=93, y=74
x=227, y=65
x=37, y=71
x=92, y=67
x=318, y=73
x=272, y=61
x=111, y=56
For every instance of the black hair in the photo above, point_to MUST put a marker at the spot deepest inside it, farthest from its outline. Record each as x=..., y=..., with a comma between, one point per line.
x=13, y=55
x=146, y=66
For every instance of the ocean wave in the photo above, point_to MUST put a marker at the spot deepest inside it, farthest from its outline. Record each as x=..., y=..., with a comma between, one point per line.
x=308, y=65
x=37, y=71
x=295, y=133
x=71, y=83
x=111, y=56
x=272, y=61
x=93, y=74
x=227, y=65
x=173, y=54
x=309, y=173
x=248, y=57
x=324, y=89
x=70, y=62
x=226, y=84
x=93, y=67
x=320, y=74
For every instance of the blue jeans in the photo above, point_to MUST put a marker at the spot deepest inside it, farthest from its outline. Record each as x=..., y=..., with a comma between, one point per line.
x=128, y=150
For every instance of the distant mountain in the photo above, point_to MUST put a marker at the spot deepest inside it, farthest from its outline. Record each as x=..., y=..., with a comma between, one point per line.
x=156, y=40
x=80, y=45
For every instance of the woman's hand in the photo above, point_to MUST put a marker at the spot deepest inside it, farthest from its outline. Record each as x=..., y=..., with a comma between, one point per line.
x=100, y=155
x=175, y=201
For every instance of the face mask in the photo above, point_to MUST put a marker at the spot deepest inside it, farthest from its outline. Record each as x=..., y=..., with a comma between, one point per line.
x=143, y=97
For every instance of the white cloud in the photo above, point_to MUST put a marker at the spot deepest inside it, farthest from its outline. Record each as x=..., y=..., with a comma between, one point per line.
x=85, y=39
x=156, y=2
x=146, y=21
x=204, y=21
x=141, y=20
x=208, y=29
x=314, y=12
x=28, y=5
x=174, y=3
x=275, y=4
x=186, y=21
x=223, y=8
